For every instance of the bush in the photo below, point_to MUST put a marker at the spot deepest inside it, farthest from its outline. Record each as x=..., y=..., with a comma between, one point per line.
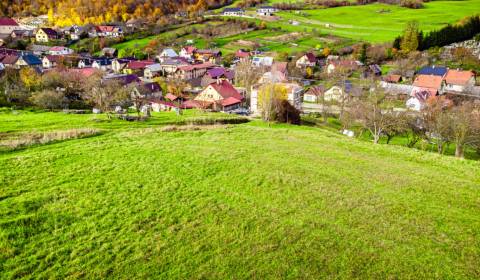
x=287, y=113
x=49, y=99
x=412, y=4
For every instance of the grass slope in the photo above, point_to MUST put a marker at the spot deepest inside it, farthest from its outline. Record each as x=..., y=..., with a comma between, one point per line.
x=368, y=23
x=244, y=201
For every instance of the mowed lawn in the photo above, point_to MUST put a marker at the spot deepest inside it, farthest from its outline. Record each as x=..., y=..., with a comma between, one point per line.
x=380, y=22
x=231, y=202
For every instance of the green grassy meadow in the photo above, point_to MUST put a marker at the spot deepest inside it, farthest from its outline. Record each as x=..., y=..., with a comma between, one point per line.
x=230, y=202
x=381, y=22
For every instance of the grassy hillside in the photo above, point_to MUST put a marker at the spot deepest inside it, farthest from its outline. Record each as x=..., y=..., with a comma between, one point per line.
x=380, y=22
x=244, y=201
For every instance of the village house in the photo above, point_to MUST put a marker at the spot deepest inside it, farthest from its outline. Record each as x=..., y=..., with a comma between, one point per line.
x=432, y=83
x=101, y=63
x=194, y=71
x=433, y=70
x=8, y=25
x=59, y=50
x=188, y=52
x=266, y=11
x=38, y=49
x=159, y=105
x=106, y=31
x=459, y=81
x=51, y=61
x=45, y=35
x=215, y=74
x=170, y=66
x=307, y=60
x=27, y=60
x=220, y=96
x=137, y=67
x=293, y=90
x=418, y=99
x=74, y=32
x=212, y=56
x=346, y=65
x=262, y=61
x=393, y=78
x=21, y=34
x=147, y=90
x=335, y=93
x=241, y=55
x=312, y=95
x=118, y=64
x=109, y=52
x=152, y=71
x=234, y=12
x=166, y=54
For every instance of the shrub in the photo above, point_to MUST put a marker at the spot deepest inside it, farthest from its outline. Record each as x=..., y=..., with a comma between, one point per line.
x=49, y=99
x=412, y=4
x=287, y=113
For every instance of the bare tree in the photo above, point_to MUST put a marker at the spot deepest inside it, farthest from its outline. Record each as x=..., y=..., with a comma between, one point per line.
x=319, y=93
x=465, y=127
x=103, y=94
x=246, y=75
x=372, y=116
x=437, y=122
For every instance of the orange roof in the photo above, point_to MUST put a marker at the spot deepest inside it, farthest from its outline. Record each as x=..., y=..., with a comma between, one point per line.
x=428, y=81
x=458, y=77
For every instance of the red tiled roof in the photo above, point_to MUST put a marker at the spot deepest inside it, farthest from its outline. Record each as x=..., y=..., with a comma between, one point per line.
x=226, y=90
x=230, y=101
x=54, y=58
x=171, y=97
x=190, y=104
x=190, y=49
x=428, y=81
x=393, y=78
x=85, y=72
x=196, y=66
x=137, y=65
x=242, y=54
x=4, y=21
x=10, y=59
x=280, y=67
x=105, y=28
x=458, y=77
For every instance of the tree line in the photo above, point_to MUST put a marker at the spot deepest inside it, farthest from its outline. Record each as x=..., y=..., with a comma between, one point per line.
x=80, y=12
x=413, y=39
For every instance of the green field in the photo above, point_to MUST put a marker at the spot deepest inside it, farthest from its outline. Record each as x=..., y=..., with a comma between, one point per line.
x=380, y=22
x=230, y=202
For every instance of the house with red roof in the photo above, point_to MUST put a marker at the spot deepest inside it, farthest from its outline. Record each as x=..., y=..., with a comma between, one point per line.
x=8, y=25
x=51, y=61
x=307, y=60
x=347, y=65
x=432, y=83
x=135, y=66
x=220, y=96
x=458, y=80
x=106, y=31
x=187, y=52
x=193, y=71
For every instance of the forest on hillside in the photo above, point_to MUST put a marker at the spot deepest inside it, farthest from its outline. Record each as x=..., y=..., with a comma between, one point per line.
x=66, y=12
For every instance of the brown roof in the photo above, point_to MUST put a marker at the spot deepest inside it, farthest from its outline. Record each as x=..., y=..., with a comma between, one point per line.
x=428, y=81
x=392, y=78
x=458, y=77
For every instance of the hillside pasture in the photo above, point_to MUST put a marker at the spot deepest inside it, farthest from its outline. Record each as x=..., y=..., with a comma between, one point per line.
x=235, y=201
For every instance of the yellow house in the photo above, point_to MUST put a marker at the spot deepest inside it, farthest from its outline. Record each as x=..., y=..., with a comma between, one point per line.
x=44, y=35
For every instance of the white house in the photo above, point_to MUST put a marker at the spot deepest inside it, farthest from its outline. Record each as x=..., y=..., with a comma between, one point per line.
x=167, y=53
x=236, y=12
x=335, y=93
x=187, y=52
x=262, y=61
x=59, y=50
x=307, y=60
x=266, y=11
x=459, y=81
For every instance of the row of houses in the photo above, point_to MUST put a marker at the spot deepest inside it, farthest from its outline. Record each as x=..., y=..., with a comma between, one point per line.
x=263, y=11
